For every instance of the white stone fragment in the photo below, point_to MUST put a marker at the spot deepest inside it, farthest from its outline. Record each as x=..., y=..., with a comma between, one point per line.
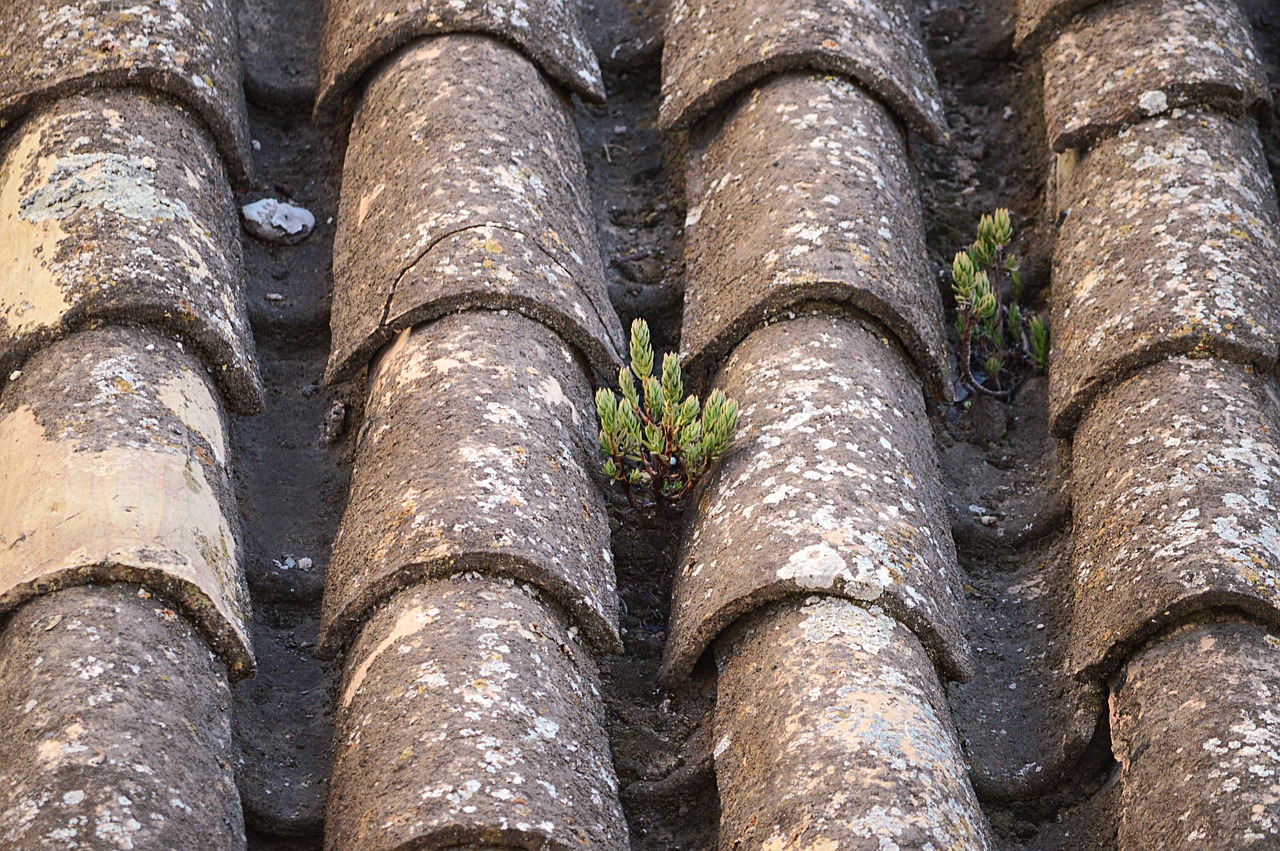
x=278, y=221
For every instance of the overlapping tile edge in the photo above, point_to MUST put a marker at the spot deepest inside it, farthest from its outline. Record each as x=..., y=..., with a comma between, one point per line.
x=1162, y=376
x=818, y=562
x=472, y=570
x=124, y=338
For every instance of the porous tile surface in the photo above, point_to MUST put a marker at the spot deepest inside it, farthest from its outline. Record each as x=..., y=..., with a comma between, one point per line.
x=185, y=49
x=1176, y=479
x=1040, y=20
x=360, y=33
x=716, y=49
x=464, y=187
x=117, y=727
x=1196, y=732
x=477, y=453
x=114, y=208
x=832, y=731
x=117, y=433
x=1125, y=62
x=1168, y=247
x=469, y=717
x=805, y=193
x=831, y=487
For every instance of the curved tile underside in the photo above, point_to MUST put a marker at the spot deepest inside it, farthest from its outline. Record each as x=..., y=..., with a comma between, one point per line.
x=717, y=48
x=477, y=454
x=117, y=727
x=1126, y=62
x=831, y=724
x=831, y=488
x=469, y=717
x=1176, y=478
x=1169, y=247
x=119, y=434
x=455, y=197
x=186, y=49
x=358, y=34
x=114, y=209
x=805, y=193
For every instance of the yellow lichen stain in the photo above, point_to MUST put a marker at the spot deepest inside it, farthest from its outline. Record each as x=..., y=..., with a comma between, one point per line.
x=30, y=296
x=409, y=623
x=125, y=506
x=492, y=246
x=190, y=400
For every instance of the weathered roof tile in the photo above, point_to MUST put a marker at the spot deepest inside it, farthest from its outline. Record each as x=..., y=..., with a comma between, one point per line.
x=459, y=193
x=469, y=717
x=360, y=33
x=186, y=49
x=718, y=48
x=1195, y=732
x=118, y=433
x=805, y=193
x=1176, y=476
x=1169, y=247
x=832, y=487
x=1125, y=62
x=476, y=454
x=831, y=724
x=115, y=208
x=117, y=727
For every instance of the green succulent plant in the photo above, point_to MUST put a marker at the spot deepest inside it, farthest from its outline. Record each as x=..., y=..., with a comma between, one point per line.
x=993, y=328
x=654, y=438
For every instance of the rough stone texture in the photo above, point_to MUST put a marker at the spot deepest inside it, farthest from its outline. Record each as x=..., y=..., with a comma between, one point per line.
x=1040, y=20
x=117, y=727
x=469, y=717
x=464, y=187
x=806, y=193
x=114, y=208
x=183, y=48
x=718, y=48
x=360, y=33
x=1128, y=61
x=832, y=487
x=117, y=434
x=477, y=453
x=1197, y=735
x=1177, y=479
x=832, y=731
x=1169, y=247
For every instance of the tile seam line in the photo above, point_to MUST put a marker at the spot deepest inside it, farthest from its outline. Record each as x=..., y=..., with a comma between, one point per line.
x=395, y=285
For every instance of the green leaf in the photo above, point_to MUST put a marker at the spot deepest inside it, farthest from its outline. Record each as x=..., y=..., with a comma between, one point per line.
x=641, y=350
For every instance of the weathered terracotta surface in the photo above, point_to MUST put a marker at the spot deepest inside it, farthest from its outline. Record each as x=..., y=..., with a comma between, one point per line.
x=117, y=727
x=1194, y=728
x=831, y=725
x=114, y=209
x=470, y=717
x=464, y=187
x=1168, y=247
x=477, y=453
x=805, y=193
x=1039, y=21
x=118, y=434
x=716, y=49
x=185, y=49
x=1125, y=62
x=360, y=33
x=1176, y=477
x=831, y=488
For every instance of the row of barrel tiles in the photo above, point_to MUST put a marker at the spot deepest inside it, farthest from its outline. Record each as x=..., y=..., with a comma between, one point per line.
x=471, y=583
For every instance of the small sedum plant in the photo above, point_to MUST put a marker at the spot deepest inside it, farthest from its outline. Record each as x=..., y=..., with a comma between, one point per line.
x=992, y=332
x=653, y=439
